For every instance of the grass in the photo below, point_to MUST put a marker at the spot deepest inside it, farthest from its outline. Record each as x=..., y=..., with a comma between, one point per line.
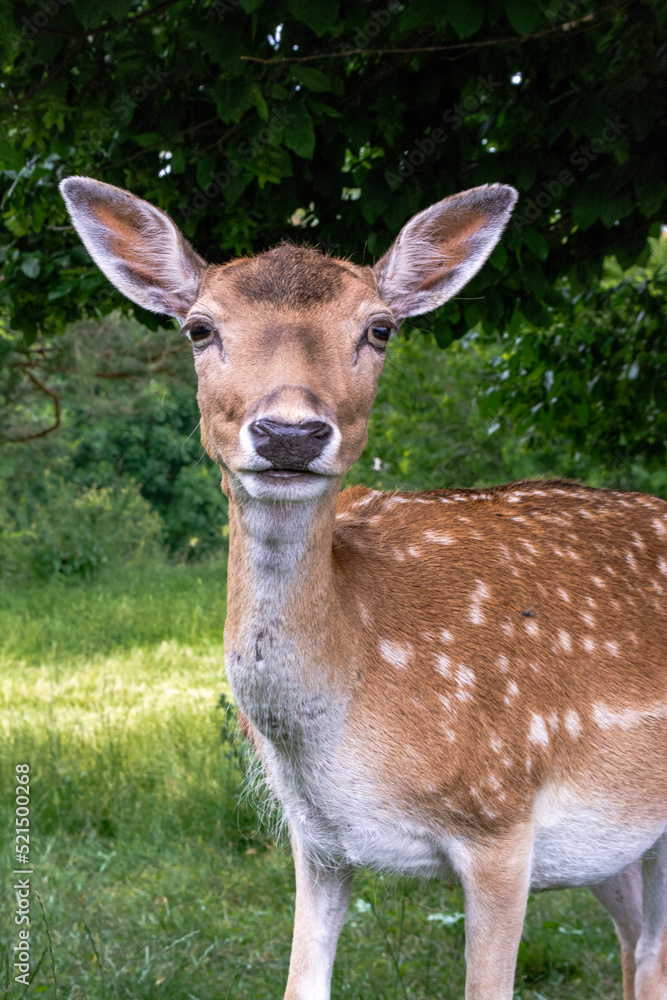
x=155, y=879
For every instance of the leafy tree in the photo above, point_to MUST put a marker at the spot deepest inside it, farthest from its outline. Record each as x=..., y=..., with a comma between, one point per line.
x=594, y=389
x=251, y=121
x=128, y=411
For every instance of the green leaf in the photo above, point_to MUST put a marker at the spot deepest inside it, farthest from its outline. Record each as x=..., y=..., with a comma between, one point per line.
x=534, y=239
x=314, y=79
x=205, y=171
x=119, y=9
x=443, y=333
x=466, y=18
x=148, y=138
x=523, y=15
x=498, y=258
x=260, y=103
x=178, y=160
x=30, y=265
x=299, y=133
x=320, y=15
x=90, y=12
x=420, y=14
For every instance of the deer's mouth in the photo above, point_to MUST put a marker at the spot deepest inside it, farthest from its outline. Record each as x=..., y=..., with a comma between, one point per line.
x=288, y=473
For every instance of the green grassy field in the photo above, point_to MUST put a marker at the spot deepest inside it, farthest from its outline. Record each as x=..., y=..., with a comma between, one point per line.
x=154, y=877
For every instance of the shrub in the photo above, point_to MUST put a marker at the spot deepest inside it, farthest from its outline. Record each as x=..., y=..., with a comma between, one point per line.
x=74, y=534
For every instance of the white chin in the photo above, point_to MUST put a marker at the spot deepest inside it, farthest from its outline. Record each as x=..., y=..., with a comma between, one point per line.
x=278, y=486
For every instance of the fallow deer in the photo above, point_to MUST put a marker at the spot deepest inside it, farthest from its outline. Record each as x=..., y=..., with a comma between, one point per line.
x=465, y=683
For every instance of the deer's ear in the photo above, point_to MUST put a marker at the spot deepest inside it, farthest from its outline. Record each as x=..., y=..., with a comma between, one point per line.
x=441, y=248
x=136, y=245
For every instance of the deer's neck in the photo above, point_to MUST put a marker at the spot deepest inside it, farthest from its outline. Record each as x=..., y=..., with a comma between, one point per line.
x=281, y=606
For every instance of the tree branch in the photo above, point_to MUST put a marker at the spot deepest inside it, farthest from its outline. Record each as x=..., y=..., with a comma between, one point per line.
x=458, y=47
x=104, y=28
x=56, y=412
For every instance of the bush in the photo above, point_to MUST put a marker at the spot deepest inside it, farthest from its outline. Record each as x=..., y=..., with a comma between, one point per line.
x=73, y=534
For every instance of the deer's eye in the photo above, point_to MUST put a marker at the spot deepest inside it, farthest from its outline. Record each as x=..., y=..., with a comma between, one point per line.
x=201, y=334
x=378, y=335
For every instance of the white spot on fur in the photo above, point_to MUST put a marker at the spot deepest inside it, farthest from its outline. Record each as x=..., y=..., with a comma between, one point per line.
x=446, y=635
x=572, y=723
x=503, y=663
x=398, y=654
x=439, y=537
x=662, y=565
x=508, y=628
x=465, y=677
x=414, y=552
x=365, y=617
x=479, y=594
x=626, y=718
x=538, y=731
x=563, y=594
x=512, y=692
x=631, y=561
x=660, y=529
x=496, y=744
x=612, y=647
x=399, y=556
x=590, y=621
x=530, y=626
x=564, y=641
x=598, y=581
x=367, y=499
x=443, y=665
x=588, y=644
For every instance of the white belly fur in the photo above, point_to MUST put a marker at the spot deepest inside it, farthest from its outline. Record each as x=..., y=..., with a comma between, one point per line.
x=340, y=818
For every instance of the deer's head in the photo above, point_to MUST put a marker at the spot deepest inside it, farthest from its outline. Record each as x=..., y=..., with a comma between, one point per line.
x=288, y=345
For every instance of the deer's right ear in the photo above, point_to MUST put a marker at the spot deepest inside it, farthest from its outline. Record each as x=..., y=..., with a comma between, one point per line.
x=136, y=245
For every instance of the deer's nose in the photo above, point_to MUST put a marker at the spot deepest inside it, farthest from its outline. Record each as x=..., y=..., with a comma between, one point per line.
x=290, y=446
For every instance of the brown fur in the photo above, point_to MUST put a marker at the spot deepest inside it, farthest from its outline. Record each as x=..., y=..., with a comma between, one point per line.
x=556, y=567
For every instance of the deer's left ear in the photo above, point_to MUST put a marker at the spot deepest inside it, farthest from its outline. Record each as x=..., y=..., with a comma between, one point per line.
x=136, y=245
x=441, y=248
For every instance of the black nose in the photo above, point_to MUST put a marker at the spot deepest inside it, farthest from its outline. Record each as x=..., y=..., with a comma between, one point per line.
x=290, y=446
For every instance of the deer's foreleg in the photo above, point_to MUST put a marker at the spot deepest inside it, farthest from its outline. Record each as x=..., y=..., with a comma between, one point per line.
x=496, y=878
x=322, y=894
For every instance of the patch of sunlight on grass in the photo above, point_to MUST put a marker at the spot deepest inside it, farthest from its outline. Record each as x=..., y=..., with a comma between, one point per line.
x=111, y=691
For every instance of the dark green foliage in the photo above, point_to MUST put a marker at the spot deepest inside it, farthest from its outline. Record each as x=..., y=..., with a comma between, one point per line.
x=72, y=534
x=593, y=392
x=128, y=416
x=340, y=149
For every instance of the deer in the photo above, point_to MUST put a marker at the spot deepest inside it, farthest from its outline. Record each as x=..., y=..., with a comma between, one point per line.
x=468, y=684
